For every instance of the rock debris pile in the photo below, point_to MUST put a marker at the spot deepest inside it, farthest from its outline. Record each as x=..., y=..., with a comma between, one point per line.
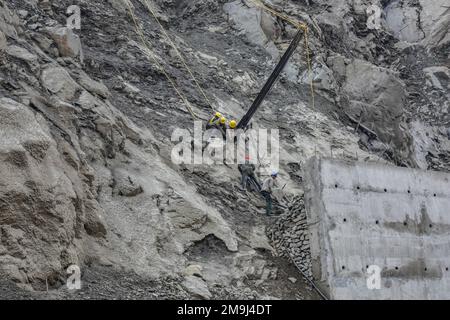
x=289, y=235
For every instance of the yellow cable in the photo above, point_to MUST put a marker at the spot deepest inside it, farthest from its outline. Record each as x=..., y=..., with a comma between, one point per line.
x=299, y=26
x=188, y=105
x=178, y=53
x=284, y=17
x=151, y=55
x=311, y=75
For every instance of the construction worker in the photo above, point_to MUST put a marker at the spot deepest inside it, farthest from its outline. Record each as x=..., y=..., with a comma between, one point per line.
x=223, y=123
x=233, y=124
x=222, y=127
x=214, y=120
x=247, y=171
x=266, y=191
x=219, y=123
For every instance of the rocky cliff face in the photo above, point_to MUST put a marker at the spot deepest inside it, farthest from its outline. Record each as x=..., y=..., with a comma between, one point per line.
x=86, y=118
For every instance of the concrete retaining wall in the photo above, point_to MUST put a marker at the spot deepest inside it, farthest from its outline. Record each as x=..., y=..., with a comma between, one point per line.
x=363, y=214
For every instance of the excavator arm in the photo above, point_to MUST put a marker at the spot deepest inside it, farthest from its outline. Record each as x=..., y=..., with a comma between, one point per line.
x=271, y=81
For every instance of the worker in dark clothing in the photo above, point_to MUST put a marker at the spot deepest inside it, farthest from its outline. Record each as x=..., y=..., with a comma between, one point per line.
x=218, y=123
x=212, y=123
x=267, y=189
x=248, y=174
x=222, y=127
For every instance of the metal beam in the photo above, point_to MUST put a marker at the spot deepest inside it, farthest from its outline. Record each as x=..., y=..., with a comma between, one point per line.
x=271, y=81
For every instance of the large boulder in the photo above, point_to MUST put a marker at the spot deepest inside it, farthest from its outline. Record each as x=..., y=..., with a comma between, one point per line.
x=94, y=87
x=402, y=20
x=68, y=43
x=9, y=21
x=324, y=80
x=377, y=97
x=438, y=78
x=439, y=35
x=124, y=185
x=428, y=22
x=432, y=13
x=197, y=287
x=39, y=204
x=58, y=81
x=259, y=27
x=21, y=53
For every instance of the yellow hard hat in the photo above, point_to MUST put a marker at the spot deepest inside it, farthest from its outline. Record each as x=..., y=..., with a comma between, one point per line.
x=218, y=115
x=223, y=120
x=233, y=124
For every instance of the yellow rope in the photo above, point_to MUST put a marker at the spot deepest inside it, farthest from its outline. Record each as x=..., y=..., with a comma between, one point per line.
x=150, y=55
x=284, y=17
x=298, y=25
x=178, y=53
x=311, y=75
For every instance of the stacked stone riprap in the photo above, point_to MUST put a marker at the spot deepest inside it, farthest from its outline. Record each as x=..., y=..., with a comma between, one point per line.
x=289, y=235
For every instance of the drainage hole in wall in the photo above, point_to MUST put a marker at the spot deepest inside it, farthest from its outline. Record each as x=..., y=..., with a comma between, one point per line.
x=377, y=222
x=431, y=226
x=405, y=223
x=358, y=187
x=434, y=195
x=343, y=267
x=345, y=220
x=409, y=191
x=446, y=269
x=336, y=186
x=426, y=269
x=396, y=268
x=385, y=190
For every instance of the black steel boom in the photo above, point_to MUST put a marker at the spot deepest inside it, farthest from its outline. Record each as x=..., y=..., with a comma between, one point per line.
x=271, y=81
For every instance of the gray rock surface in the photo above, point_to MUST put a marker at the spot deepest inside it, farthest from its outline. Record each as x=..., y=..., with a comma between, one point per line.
x=68, y=43
x=21, y=53
x=3, y=42
x=41, y=206
x=438, y=78
x=402, y=18
x=197, y=287
x=260, y=31
x=377, y=97
x=86, y=119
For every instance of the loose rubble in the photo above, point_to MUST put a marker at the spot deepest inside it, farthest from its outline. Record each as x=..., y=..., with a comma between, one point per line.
x=289, y=235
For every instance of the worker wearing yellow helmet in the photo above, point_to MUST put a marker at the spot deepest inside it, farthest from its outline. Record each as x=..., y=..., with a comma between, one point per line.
x=223, y=126
x=215, y=120
x=218, y=124
x=233, y=124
